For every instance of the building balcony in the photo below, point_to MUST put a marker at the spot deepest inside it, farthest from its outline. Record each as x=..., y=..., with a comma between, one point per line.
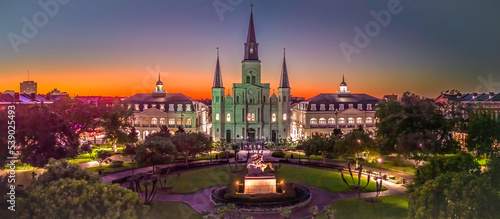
x=137, y=125
x=145, y=125
x=153, y=125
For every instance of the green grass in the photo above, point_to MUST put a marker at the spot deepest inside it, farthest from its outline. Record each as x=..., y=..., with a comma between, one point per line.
x=483, y=161
x=393, y=163
x=390, y=207
x=171, y=210
x=328, y=180
x=196, y=180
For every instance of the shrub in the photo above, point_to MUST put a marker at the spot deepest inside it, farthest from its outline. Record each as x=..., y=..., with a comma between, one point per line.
x=279, y=154
x=116, y=164
x=226, y=155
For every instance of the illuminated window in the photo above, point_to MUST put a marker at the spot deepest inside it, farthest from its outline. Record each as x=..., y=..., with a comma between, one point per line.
x=350, y=121
x=313, y=121
x=145, y=106
x=249, y=117
x=284, y=116
x=322, y=107
x=331, y=121
x=330, y=107
x=273, y=118
x=322, y=121
x=137, y=107
x=341, y=121
x=313, y=106
x=154, y=121
x=162, y=106
x=228, y=117
x=188, y=121
x=369, y=120
x=253, y=116
x=369, y=107
x=341, y=107
x=360, y=106
x=217, y=116
x=359, y=120
x=162, y=121
x=171, y=121
x=350, y=105
x=179, y=121
x=153, y=106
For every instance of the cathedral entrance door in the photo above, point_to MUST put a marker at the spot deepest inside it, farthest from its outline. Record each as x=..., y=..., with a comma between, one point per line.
x=273, y=136
x=251, y=135
x=228, y=136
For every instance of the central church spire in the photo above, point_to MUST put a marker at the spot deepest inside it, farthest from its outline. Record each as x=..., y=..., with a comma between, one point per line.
x=251, y=46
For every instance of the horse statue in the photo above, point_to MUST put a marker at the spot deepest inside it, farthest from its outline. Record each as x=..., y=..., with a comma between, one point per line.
x=258, y=162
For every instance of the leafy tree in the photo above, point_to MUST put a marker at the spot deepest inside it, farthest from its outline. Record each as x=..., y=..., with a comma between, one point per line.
x=319, y=144
x=494, y=171
x=62, y=169
x=103, y=157
x=190, y=144
x=439, y=165
x=413, y=125
x=116, y=125
x=85, y=148
x=483, y=132
x=44, y=134
x=357, y=144
x=70, y=198
x=156, y=149
x=454, y=195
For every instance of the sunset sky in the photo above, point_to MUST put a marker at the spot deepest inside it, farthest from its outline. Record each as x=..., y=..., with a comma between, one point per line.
x=106, y=47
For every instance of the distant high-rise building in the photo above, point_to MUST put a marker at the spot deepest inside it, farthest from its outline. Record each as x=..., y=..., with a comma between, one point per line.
x=28, y=87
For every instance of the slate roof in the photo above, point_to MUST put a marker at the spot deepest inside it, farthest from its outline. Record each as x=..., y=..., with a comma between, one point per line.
x=337, y=99
x=169, y=98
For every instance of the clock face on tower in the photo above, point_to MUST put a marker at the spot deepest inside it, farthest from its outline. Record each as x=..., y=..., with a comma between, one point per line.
x=250, y=91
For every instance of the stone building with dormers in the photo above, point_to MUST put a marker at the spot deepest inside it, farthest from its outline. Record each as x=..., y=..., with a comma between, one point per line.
x=327, y=111
x=152, y=110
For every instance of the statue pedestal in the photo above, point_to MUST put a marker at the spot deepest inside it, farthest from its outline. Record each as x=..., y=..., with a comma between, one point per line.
x=260, y=183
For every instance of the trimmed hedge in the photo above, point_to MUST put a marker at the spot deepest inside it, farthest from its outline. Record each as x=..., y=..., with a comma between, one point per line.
x=279, y=154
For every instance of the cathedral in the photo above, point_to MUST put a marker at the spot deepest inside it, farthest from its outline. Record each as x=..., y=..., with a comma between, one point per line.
x=251, y=114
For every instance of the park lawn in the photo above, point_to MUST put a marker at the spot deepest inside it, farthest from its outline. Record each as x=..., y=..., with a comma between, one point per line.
x=324, y=179
x=171, y=210
x=391, y=164
x=207, y=156
x=390, y=207
x=196, y=180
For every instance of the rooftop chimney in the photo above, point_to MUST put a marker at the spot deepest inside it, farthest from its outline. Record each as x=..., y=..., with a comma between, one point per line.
x=491, y=95
x=474, y=95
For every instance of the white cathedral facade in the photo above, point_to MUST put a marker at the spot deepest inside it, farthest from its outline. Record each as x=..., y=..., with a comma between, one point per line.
x=251, y=114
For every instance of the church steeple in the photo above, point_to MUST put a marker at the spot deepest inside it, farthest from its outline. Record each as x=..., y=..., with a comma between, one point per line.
x=251, y=46
x=284, y=73
x=217, y=75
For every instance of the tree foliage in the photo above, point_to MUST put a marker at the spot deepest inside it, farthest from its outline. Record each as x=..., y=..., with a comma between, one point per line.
x=156, y=149
x=357, y=144
x=483, y=132
x=70, y=198
x=454, y=195
x=62, y=169
x=318, y=144
x=116, y=125
x=189, y=144
x=414, y=125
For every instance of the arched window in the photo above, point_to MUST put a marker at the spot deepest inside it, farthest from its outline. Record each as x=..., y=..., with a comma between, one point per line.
x=369, y=120
x=331, y=121
x=154, y=121
x=313, y=121
x=188, y=121
x=145, y=134
x=341, y=121
x=248, y=79
x=162, y=121
x=322, y=121
x=284, y=116
x=171, y=121
x=350, y=121
x=217, y=116
x=228, y=117
x=359, y=120
x=273, y=118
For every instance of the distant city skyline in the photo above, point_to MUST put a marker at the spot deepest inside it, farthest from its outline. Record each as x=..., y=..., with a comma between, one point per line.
x=117, y=48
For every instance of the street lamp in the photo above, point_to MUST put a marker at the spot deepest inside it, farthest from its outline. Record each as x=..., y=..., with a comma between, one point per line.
x=380, y=166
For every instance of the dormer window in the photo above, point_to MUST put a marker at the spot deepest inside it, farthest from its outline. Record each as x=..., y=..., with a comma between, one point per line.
x=145, y=106
x=313, y=107
x=360, y=106
x=322, y=107
x=341, y=107
x=331, y=107
x=369, y=107
x=179, y=107
x=351, y=105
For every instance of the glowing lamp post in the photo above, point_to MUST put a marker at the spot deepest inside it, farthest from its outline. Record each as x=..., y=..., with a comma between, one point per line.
x=380, y=166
